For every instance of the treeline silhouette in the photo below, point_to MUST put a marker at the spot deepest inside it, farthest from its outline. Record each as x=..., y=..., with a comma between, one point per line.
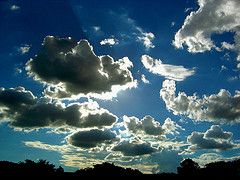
x=188, y=168
x=220, y=169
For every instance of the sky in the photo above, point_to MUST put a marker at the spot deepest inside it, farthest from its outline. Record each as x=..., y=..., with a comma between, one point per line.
x=141, y=83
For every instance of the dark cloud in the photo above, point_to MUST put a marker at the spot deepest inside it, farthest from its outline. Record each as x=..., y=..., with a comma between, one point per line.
x=133, y=148
x=24, y=110
x=92, y=138
x=72, y=68
x=16, y=98
x=214, y=138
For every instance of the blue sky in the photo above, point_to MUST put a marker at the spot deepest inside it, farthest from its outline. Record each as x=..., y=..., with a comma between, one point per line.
x=143, y=84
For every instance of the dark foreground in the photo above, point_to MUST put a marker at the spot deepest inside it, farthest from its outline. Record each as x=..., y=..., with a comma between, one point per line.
x=187, y=169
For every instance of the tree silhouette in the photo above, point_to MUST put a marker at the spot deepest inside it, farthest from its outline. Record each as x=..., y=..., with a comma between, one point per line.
x=29, y=168
x=108, y=169
x=188, y=168
x=222, y=169
x=37, y=168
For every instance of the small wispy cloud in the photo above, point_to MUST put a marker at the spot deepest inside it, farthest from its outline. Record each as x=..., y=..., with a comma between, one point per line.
x=143, y=78
x=14, y=7
x=156, y=66
x=24, y=49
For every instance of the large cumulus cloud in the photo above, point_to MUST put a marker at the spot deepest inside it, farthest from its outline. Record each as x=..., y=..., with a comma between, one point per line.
x=212, y=17
x=214, y=138
x=221, y=107
x=71, y=68
x=23, y=110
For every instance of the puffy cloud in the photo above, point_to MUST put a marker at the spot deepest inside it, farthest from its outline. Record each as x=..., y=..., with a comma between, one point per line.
x=177, y=73
x=171, y=127
x=24, y=110
x=14, y=100
x=146, y=38
x=145, y=126
x=91, y=138
x=24, y=49
x=71, y=68
x=216, y=132
x=133, y=148
x=215, y=16
x=214, y=138
x=221, y=107
x=110, y=41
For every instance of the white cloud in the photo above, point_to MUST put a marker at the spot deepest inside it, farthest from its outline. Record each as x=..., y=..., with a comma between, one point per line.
x=24, y=49
x=223, y=68
x=238, y=65
x=214, y=138
x=226, y=45
x=171, y=127
x=129, y=31
x=215, y=16
x=97, y=28
x=14, y=7
x=177, y=73
x=18, y=70
x=143, y=78
x=146, y=38
x=71, y=69
x=149, y=128
x=187, y=9
x=110, y=41
x=221, y=107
